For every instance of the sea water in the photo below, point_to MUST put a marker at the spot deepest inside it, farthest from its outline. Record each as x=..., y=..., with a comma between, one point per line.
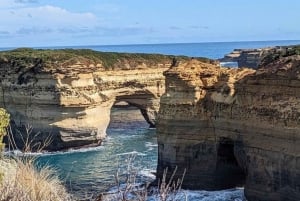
x=88, y=172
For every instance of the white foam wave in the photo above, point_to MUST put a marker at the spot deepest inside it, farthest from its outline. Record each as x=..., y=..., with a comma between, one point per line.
x=132, y=153
x=45, y=153
x=229, y=64
x=150, y=146
x=149, y=173
x=236, y=194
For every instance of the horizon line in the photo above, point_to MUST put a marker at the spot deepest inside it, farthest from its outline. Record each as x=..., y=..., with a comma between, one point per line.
x=137, y=44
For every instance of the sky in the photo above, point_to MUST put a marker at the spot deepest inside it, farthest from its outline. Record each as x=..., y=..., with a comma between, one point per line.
x=38, y=23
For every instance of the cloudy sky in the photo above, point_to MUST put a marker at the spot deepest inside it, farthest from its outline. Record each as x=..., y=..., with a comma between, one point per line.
x=36, y=23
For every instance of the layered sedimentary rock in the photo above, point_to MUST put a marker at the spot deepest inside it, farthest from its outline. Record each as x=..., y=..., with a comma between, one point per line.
x=251, y=58
x=66, y=95
x=233, y=127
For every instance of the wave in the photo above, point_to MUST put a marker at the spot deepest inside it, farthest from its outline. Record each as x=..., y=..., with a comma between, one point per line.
x=151, y=146
x=18, y=153
x=148, y=173
x=135, y=153
x=229, y=64
x=235, y=194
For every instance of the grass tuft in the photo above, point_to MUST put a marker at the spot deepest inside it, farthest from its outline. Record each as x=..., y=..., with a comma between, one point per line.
x=22, y=181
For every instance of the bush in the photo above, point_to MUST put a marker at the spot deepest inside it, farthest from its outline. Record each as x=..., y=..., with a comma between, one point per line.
x=4, y=121
x=22, y=181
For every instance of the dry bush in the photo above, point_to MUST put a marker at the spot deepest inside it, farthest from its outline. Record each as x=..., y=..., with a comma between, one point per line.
x=28, y=138
x=22, y=181
x=128, y=189
x=168, y=189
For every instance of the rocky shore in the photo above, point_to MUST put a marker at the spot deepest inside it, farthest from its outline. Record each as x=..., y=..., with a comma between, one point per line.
x=251, y=58
x=230, y=127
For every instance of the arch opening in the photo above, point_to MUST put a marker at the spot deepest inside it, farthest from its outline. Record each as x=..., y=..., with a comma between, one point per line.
x=146, y=103
x=126, y=116
x=230, y=172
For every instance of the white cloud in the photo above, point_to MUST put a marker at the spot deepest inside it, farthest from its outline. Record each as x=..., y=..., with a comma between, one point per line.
x=41, y=19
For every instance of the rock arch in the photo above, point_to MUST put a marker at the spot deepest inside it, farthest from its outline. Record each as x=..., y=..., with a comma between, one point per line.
x=75, y=109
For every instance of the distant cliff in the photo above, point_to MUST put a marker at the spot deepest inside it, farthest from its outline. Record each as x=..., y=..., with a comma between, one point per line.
x=67, y=95
x=251, y=58
x=233, y=127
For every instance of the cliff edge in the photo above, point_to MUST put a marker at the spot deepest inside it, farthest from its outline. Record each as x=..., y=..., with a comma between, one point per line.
x=252, y=58
x=66, y=95
x=233, y=127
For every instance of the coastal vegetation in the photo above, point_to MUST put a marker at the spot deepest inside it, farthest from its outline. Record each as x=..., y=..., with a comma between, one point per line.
x=28, y=57
x=21, y=180
x=129, y=187
x=4, y=120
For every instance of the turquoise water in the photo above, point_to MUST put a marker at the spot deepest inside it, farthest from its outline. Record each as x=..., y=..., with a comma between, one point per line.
x=91, y=171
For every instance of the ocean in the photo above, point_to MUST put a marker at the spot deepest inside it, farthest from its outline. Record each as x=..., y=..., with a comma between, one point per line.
x=90, y=171
x=213, y=50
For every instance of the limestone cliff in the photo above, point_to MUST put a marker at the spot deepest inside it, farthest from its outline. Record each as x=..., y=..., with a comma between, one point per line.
x=232, y=127
x=68, y=94
x=251, y=58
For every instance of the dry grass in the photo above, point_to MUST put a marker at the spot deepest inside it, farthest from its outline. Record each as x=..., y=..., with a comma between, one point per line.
x=22, y=181
x=128, y=189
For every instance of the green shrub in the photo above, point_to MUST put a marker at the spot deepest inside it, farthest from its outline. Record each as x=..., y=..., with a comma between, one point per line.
x=25, y=58
x=4, y=121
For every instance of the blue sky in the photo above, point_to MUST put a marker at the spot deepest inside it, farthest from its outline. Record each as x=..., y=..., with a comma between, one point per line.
x=105, y=22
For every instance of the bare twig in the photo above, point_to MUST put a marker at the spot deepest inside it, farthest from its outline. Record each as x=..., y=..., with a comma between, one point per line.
x=29, y=139
x=130, y=190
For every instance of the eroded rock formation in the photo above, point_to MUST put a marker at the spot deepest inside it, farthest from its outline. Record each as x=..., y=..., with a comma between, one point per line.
x=68, y=94
x=229, y=127
x=251, y=58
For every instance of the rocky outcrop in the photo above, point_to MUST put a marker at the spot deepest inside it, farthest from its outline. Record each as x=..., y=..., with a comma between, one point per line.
x=245, y=57
x=67, y=95
x=251, y=58
x=233, y=127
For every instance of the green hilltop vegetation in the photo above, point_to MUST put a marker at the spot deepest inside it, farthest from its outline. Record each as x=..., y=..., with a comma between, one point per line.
x=109, y=60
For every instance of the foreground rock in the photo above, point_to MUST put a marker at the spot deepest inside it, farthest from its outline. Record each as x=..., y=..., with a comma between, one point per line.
x=67, y=95
x=230, y=127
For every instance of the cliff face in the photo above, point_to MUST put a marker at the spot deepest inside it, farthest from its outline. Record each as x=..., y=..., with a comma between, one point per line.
x=229, y=127
x=252, y=58
x=67, y=95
